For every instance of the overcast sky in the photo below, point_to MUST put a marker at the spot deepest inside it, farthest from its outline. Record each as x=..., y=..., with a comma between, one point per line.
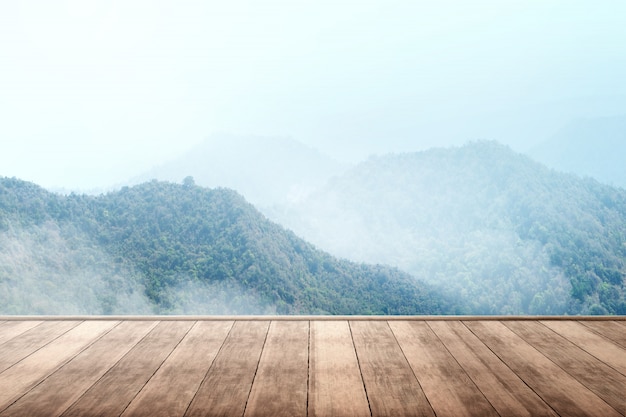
x=94, y=92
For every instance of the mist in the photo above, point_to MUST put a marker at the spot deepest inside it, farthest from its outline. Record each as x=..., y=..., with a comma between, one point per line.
x=95, y=93
x=490, y=270
x=53, y=269
x=296, y=105
x=266, y=170
x=47, y=269
x=480, y=221
x=216, y=298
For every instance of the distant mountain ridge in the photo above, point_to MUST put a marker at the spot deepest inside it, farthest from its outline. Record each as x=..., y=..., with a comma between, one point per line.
x=490, y=230
x=178, y=248
x=588, y=147
x=265, y=170
x=499, y=230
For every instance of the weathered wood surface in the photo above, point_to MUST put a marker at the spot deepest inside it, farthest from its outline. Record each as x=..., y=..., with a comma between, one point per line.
x=61, y=389
x=117, y=388
x=226, y=388
x=312, y=367
x=391, y=384
x=564, y=393
x=280, y=384
x=610, y=353
x=609, y=329
x=449, y=389
x=335, y=383
x=502, y=387
x=173, y=386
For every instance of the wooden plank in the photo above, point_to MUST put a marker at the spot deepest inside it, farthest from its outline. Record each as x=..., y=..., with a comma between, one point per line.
x=57, y=392
x=450, y=391
x=115, y=390
x=600, y=347
x=21, y=377
x=561, y=391
x=603, y=380
x=280, y=385
x=11, y=329
x=335, y=383
x=32, y=340
x=390, y=384
x=508, y=394
x=170, y=391
x=612, y=330
x=226, y=388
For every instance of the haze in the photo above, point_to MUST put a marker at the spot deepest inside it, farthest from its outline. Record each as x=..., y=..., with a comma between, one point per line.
x=95, y=92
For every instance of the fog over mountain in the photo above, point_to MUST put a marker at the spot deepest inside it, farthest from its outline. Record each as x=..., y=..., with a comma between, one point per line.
x=490, y=230
x=588, y=147
x=265, y=170
x=179, y=249
x=96, y=92
x=347, y=122
x=481, y=221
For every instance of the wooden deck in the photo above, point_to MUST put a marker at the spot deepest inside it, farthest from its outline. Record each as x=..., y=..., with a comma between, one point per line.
x=312, y=366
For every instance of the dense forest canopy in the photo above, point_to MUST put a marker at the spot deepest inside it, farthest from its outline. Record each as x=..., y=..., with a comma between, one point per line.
x=506, y=234
x=479, y=228
x=178, y=248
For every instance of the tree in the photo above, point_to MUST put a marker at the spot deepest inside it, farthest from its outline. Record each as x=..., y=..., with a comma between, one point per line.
x=189, y=182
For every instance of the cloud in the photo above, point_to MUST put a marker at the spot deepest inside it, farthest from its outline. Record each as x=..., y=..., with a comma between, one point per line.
x=52, y=269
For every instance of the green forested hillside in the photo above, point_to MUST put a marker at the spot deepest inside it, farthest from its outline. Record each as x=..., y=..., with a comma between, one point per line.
x=169, y=248
x=503, y=233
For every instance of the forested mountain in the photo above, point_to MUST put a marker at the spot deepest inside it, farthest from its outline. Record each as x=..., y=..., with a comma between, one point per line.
x=505, y=233
x=588, y=147
x=265, y=170
x=170, y=248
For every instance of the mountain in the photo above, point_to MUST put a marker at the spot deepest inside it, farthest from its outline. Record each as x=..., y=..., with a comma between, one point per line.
x=588, y=147
x=265, y=170
x=505, y=234
x=178, y=248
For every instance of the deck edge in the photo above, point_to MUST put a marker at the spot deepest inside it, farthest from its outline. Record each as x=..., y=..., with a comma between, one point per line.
x=304, y=317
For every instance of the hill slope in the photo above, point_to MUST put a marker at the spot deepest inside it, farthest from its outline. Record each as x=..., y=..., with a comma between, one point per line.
x=491, y=226
x=168, y=248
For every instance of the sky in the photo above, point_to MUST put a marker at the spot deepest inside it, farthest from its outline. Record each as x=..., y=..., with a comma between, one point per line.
x=95, y=92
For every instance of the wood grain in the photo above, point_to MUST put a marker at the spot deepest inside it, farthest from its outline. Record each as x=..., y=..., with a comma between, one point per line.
x=170, y=391
x=32, y=340
x=335, y=383
x=115, y=390
x=298, y=366
x=390, y=384
x=11, y=329
x=226, y=388
x=508, y=394
x=450, y=391
x=280, y=385
x=566, y=395
x=21, y=377
x=612, y=330
x=591, y=372
x=600, y=347
x=57, y=392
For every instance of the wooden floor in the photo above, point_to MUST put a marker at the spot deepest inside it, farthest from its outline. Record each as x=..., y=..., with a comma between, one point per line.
x=350, y=366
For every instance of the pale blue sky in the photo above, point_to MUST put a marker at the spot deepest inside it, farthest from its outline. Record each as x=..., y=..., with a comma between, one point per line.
x=95, y=92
